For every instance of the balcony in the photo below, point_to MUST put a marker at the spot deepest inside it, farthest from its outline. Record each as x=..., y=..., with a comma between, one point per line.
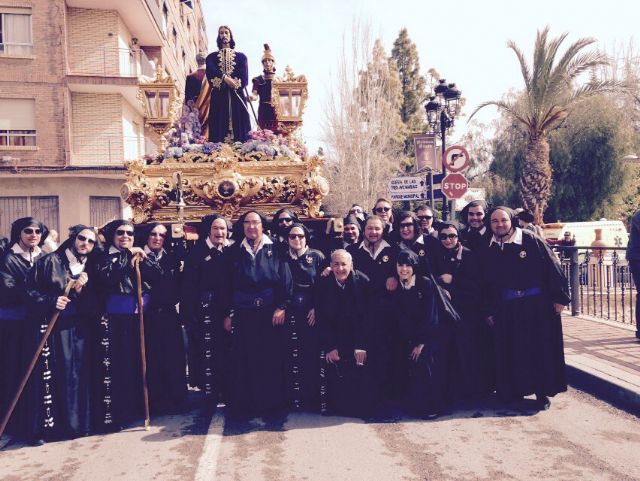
x=106, y=149
x=109, y=62
x=142, y=17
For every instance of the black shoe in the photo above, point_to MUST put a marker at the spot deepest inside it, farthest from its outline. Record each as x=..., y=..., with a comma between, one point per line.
x=637, y=334
x=543, y=402
x=37, y=442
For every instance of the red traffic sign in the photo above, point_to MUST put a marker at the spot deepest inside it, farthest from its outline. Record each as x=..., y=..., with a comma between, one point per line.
x=455, y=185
x=456, y=158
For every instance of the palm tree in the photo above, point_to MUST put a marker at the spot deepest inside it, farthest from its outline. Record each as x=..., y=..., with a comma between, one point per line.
x=550, y=90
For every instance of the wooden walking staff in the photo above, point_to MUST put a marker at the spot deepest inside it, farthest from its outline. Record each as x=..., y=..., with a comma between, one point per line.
x=32, y=365
x=143, y=351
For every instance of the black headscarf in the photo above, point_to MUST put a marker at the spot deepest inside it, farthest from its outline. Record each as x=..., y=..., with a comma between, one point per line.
x=109, y=230
x=405, y=214
x=407, y=258
x=512, y=216
x=143, y=232
x=300, y=225
x=525, y=216
x=464, y=213
x=204, y=229
x=238, y=231
x=23, y=222
x=73, y=233
x=275, y=227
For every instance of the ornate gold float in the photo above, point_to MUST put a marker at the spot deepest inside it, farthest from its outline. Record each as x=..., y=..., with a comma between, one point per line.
x=192, y=178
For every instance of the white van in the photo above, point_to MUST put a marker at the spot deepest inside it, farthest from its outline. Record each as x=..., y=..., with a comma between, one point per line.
x=614, y=233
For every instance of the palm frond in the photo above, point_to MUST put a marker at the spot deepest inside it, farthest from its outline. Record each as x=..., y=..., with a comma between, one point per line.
x=509, y=108
x=524, y=67
x=595, y=87
x=554, y=115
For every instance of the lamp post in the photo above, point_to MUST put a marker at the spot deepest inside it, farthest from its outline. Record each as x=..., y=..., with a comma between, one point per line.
x=442, y=108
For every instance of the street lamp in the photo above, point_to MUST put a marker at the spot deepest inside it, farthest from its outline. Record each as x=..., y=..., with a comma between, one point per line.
x=442, y=108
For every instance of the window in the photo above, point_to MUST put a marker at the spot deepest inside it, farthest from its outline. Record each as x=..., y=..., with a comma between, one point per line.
x=15, y=31
x=103, y=210
x=17, y=122
x=165, y=17
x=174, y=33
x=43, y=208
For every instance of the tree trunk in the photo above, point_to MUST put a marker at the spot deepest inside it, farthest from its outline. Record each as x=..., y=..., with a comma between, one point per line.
x=535, y=181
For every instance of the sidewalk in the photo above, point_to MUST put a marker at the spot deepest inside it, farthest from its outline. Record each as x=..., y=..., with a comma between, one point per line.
x=603, y=358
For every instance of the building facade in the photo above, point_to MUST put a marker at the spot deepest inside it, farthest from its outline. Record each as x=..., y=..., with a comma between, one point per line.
x=69, y=116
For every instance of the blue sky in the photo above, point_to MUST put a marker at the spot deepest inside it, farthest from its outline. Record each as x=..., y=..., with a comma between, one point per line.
x=465, y=41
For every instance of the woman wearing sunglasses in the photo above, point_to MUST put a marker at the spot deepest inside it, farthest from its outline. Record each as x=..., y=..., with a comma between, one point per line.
x=456, y=269
x=303, y=361
x=118, y=399
x=408, y=235
x=58, y=392
x=26, y=240
x=280, y=224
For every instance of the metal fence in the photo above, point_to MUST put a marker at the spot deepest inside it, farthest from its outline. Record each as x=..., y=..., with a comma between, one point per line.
x=600, y=282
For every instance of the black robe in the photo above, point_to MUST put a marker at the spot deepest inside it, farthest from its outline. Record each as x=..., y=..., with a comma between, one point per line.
x=523, y=282
x=424, y=382
x=473, y=370
x=303, y=356
x=259, y=285
x=228, y=114
x=344, y=318
x=14, y=354
x=59, y=389
x=386, y=353
x=202, y=309
x=427, y=248
x=118, y=398
x=473, y=240
x=164, y=342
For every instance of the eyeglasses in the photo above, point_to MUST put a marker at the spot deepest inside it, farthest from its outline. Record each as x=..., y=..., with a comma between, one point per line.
x=158, y=234
x=355, y=211
x=122, y=232
x=406, y=225
x=252, y=223
x=31, y=230
x=425, y=217
x=282, y=220
x=447, y=236
x=296, y=236
x=382, y=209
x=82, y=238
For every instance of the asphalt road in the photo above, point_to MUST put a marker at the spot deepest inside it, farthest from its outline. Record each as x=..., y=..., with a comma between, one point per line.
x=579, y=438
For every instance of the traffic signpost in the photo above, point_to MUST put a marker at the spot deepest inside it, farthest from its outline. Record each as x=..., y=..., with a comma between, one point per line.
x=407, y=188
x=456, y=159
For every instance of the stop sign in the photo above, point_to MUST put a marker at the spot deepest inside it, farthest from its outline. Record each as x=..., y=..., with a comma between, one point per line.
x=454, y=186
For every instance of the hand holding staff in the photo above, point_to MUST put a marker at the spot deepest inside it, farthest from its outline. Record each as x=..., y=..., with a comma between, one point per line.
x=143, y=353
x=27, y=374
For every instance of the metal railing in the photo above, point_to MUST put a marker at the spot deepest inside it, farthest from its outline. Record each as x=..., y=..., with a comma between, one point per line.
x=106, y=149
x=600, y=282
x=109, y=62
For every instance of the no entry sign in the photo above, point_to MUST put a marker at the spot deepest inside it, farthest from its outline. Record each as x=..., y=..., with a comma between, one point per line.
x=454, y=186
x=456, y=158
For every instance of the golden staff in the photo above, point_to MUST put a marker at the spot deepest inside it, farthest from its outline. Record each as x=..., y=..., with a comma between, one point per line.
x=143, y=351
x=32, y=365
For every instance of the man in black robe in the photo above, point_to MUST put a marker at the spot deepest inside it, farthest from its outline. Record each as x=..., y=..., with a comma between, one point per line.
x=118, y=398
x=344, y=317
x=475, y=234
x=228, y=75
x=166, y=366
x=202, y=308
x=59, y=387
x=27, y=236
x=526, y=291
x=260, y=282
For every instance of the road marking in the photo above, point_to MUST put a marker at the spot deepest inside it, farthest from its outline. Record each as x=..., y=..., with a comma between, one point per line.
x=208, y=462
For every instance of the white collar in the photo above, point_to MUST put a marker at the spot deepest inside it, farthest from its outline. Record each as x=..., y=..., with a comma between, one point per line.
x=227, y=243
x=76, y=266
x=420, y=239
x=516, y=238
x=410, y=284
x=157, y=254
x=341, y=286
x=26, y=255
x=263, y=242
x=114, y=250
x=383, y=244
x=300, y=253
x=480, y=231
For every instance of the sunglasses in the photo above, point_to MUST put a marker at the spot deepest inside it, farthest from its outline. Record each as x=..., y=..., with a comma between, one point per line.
x=82, y=238
x=159, y=234
x=122, y=232
x=282, y=220
x=382, y=209
x=355, y=211
x=31, y=230
x=447, y=236
x=425, y=217
x=296, y=236
x=406, y=225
